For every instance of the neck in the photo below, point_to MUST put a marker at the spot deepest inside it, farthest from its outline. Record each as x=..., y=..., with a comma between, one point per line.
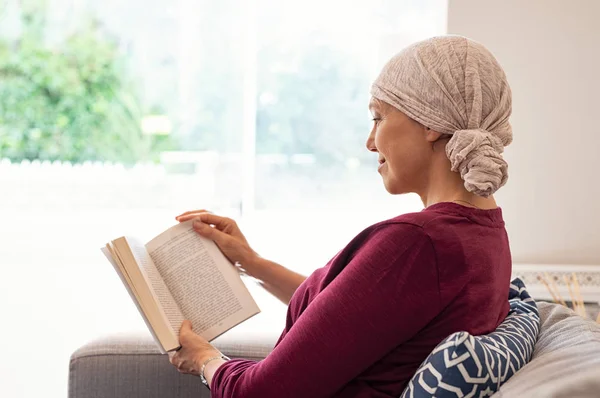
x=444, y=185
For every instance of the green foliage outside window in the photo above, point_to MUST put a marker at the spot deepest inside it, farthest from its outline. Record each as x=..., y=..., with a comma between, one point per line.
x=77, y=100
x=68, y=101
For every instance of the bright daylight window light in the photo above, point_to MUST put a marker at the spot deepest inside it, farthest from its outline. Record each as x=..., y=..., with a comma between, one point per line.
x=142, y=110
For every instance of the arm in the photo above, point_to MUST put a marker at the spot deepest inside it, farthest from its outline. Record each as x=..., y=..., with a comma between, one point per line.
x=274, y=278
x=371, y=307
x=277, y=280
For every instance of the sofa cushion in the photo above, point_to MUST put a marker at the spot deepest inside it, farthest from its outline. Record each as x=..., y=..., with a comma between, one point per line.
x=476, y=366
x=566, y=359
x=131, y=366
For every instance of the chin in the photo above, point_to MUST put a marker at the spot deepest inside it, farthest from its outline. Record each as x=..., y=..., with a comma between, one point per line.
x=396, y=187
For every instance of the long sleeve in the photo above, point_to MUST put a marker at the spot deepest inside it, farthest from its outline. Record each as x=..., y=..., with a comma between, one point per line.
x=385, y=294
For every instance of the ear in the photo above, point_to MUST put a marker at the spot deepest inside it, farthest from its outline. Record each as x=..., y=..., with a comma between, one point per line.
x=432, y=135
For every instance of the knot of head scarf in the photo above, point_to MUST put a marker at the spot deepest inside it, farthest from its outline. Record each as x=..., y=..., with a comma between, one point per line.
x=455, y=86
x=476, y=155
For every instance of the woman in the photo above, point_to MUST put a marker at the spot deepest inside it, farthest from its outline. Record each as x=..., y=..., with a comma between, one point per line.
x=361, y=325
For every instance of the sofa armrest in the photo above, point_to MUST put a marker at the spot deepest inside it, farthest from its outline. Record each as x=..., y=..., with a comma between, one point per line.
x=130, y=366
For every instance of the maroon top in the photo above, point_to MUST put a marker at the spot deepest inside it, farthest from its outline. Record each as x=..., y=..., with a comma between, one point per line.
x=362, y=325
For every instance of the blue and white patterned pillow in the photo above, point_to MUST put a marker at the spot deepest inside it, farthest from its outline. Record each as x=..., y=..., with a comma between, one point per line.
x=476, y=366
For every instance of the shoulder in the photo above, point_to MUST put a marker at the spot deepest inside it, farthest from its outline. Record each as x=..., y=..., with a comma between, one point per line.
x=395, y=227
x=397, y=250
x=436, y=227
x=396, y=237
x=409, y=225
x=420, y=219
x=407, y=233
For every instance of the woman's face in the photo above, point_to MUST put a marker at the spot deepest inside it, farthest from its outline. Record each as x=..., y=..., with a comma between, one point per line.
x=404, y=147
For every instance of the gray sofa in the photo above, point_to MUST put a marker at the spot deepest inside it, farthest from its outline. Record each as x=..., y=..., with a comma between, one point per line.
x=565, y=363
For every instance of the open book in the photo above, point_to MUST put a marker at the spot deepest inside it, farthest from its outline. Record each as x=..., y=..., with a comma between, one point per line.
x=180, y=275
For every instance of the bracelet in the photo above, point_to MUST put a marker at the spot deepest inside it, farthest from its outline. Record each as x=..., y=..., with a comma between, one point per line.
x=202, y=378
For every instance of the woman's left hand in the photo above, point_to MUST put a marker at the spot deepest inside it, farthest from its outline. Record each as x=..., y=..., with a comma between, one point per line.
x=193, y=352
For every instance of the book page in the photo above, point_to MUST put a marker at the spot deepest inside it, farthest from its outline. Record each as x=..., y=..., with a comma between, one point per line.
x=164, y=297
x=134, y=260
x=203, y=282
x=126, y=280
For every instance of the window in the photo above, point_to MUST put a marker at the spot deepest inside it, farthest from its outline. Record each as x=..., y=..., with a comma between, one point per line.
x=117, y=116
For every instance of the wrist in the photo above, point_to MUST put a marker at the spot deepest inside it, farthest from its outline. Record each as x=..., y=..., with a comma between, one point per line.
x=253, y=264
x=211, y=368
x=263, y=269
x=205, y=356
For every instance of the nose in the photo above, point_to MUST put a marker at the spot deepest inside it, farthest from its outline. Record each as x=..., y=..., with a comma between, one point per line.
x=370, y=144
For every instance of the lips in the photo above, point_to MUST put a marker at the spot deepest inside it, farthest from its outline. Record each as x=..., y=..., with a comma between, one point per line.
x=381, y=163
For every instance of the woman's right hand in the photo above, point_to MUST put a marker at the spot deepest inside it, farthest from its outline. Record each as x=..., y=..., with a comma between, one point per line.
x=276, y=279
x=224, y=232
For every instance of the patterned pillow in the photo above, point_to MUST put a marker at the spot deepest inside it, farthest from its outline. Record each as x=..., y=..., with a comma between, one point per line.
x=476, y=366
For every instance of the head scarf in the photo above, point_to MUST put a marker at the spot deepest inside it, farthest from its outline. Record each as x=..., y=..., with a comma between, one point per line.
x=454, y=85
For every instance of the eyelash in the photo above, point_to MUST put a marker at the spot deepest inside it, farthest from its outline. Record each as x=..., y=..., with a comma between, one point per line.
x=376, y=119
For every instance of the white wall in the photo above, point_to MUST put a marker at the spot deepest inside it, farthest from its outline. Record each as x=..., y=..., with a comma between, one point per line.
x=550, y=50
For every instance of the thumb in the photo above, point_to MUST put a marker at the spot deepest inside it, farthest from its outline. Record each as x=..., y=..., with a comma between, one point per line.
x=186, y=327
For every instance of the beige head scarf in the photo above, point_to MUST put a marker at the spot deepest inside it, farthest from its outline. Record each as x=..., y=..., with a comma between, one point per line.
x=454, y=85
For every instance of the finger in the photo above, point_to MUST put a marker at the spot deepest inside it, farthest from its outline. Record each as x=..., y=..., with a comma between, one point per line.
x=186, y=327
x=205, y=230
x=218, y=221
x=188, y=217
x=187, y=213
x=174, y=359
x=221, y=220
x=194, y=211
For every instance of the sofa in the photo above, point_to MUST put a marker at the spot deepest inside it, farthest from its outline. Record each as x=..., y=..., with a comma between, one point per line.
x=565, y=363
